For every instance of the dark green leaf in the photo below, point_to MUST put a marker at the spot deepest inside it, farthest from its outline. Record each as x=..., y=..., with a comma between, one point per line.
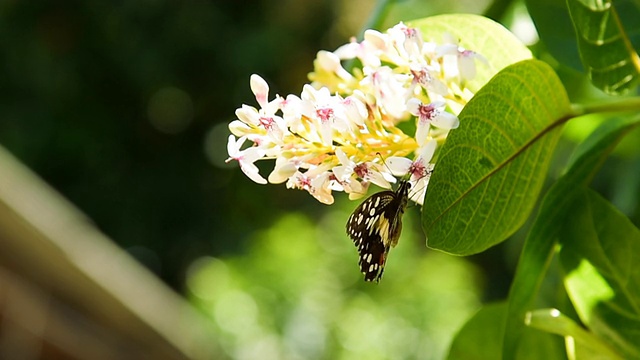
x=540, y=244
x=599, y=255
x=608, y=36
x=490, y=170
x=553, y=23
x=481, y=338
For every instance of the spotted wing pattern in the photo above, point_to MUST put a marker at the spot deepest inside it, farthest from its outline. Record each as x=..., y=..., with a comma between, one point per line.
x=375, y=227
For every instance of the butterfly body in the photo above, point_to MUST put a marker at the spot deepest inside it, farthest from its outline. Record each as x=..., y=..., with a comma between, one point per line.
x=375, y=227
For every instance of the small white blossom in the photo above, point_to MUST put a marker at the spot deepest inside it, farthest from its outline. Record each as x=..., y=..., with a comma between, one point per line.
x=419, y=169
x=367, y=171
x=407, y=42
x=420, y=186
x=355, y=109
x=266, y=117
x=427, y=80
x=430, y=114
x=467, y=64
x=283, y=170
x=458, y=61
x=365, y=51
x=334, y=134
x=389, y=89
x=260, y=89
x=315, y=181
x=245, y=158
x=331, y=63
x=274, y=125
x=324, y=110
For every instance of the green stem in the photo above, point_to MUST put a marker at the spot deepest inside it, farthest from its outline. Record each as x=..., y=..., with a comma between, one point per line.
x=622, y=105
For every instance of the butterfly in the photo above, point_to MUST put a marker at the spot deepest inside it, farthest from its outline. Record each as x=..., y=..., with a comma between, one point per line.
x=375, y=227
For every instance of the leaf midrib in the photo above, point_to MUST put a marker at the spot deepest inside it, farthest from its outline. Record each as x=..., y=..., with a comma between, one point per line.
x=503, y=164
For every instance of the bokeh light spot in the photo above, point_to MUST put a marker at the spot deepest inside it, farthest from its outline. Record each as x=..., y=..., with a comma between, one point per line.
x=170, y=110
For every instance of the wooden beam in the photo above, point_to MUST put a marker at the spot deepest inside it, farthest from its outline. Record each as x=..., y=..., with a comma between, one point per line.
x=47, y=243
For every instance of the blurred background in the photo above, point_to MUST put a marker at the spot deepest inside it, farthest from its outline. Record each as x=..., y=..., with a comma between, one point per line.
x=123, y=106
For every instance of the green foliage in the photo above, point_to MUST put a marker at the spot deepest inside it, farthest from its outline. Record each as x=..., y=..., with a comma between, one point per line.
x=585, y=345
x=555, y=209
x=600, y=36
x=481, y=338
x=82, y=75
x=489, y=177
x=293, y=296
x=556, y=31
x=491, y=170
x=599, y=255
x=490, y=174
x=606, y=49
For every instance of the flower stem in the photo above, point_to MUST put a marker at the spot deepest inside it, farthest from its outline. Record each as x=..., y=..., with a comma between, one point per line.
x=622, y=105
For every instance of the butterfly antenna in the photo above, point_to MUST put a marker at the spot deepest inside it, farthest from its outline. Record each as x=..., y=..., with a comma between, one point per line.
x=384, y=162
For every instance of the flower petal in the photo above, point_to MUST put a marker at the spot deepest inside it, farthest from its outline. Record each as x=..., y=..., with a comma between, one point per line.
x=426, y=151
x=422, y=131
x=355, y=110
x=248, y=115
x=343, y=158
x=260, y=89
x=239, y=128
x=320, y=188
x=283, y=170
x=232, y=148
x=413, y=106
x=342, y=173
x=466, y=67
x=327, y=60
x=446, y=120
x=251, y=170
x=326, y=133
x=377, y=178
x=399, y=165
x=346, y=51
x=377, y=39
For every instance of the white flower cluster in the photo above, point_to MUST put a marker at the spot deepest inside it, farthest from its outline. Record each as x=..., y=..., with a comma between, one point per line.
x=335, y=135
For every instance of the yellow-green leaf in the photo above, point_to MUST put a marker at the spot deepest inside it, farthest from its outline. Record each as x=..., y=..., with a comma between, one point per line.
x=490, y=170
x=486, y=37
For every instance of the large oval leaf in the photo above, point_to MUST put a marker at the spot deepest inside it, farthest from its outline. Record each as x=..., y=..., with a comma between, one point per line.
x=539, y=247
x=490, y=171
x=599, y=250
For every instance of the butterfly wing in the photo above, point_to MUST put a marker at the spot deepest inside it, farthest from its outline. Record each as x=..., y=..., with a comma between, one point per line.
x=366, y=227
